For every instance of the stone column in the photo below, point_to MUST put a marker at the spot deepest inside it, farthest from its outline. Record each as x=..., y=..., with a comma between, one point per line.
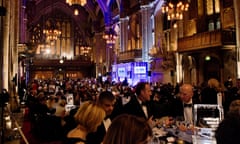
x=12, y=49
x=23, y=22
x=6, y=30
x=99, y=52
x=2, y=22
x=179, y=70
x=123, y=34
x=178, y=33
x=147, y=42
x=108, y=59
x=10, y=60
x=236, y=4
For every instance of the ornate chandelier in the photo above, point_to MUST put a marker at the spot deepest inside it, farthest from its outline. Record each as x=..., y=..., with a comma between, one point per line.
x=110, y=36
x=85, y=50
x=174, y=9
x=76, y=2
x=52, y=34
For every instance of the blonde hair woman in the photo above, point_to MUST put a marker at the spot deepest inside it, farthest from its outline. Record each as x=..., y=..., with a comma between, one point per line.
x=88, y=117
x=214, y=83
x=209, y=93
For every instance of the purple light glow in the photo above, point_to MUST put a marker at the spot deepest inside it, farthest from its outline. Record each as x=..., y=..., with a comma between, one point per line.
x=134, y=71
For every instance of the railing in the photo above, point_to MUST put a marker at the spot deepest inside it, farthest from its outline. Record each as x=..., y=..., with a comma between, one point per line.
x=130, y=55
x=85, y=58
x=56, y=63
x=206, y=39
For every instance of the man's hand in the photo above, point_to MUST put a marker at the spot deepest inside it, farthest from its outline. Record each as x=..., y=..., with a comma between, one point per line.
x=151, y=122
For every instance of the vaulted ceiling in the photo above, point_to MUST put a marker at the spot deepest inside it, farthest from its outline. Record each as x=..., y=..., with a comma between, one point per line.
x=93, y=17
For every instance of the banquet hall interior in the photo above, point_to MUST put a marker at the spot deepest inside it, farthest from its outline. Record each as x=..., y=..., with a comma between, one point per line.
x=158, y=41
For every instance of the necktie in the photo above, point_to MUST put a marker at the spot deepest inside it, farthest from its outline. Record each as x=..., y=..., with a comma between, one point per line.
x=187, y=105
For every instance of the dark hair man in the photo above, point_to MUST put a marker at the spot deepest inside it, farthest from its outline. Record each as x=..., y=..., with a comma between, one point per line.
x=107, y=101
x=139, y=103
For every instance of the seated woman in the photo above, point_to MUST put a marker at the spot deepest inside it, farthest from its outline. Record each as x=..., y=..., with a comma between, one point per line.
x=51, y=104
x=88, y=117
x=61, y=111
x=128, y=129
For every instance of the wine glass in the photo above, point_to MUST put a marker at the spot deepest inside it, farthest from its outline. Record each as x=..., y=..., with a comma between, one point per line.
x=178, y=120
x=154, y=140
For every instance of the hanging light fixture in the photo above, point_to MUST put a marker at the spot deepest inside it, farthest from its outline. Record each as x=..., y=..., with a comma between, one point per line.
x=85, y=50
x=51, y=31
x=110, y=36
x=175, y=9
x=52, y=34
x=76, y=12
x=76, y=2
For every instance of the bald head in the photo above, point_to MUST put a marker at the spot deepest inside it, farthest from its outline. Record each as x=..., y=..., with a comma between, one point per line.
x=186, y=93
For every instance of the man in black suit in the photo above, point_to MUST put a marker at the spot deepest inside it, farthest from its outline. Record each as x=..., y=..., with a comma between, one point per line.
x=107, y=101
x=139, y=103
x=183, y=106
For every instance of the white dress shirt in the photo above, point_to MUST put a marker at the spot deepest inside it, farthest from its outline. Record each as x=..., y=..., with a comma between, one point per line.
x=144, y=108
x=107, y=122
x=188, y=113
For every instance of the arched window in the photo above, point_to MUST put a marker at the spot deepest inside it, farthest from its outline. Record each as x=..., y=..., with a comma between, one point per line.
x=211, y=25
x=212, y=7
x=212, y=12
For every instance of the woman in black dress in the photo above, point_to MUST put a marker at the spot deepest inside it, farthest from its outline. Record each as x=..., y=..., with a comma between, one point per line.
x=88, y=117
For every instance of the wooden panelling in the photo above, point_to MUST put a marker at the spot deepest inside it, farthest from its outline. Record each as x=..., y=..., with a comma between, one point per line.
x=228, y=18
x=48, y=69
x=130, y=55
x=206, y=40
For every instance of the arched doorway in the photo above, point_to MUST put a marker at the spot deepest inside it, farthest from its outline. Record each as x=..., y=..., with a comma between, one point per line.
x=211, y=68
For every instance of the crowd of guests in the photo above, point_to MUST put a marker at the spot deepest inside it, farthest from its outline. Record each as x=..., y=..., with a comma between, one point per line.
x=114, y=113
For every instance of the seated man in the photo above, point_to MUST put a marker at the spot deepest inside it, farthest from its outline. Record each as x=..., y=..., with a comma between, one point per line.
x=139, y=103
x=183, y=105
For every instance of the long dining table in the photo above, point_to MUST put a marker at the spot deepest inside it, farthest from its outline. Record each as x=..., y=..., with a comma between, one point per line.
x=173, y=134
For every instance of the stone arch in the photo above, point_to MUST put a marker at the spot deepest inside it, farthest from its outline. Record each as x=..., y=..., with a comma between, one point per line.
x=210, y=68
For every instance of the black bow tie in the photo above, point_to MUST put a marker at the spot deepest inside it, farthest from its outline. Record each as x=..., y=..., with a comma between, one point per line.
x=144, y=104
x=187, y=105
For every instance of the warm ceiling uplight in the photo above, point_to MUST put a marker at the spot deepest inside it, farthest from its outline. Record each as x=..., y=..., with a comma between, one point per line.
x=76, y=2
x=174, y=9
x=76, y=12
